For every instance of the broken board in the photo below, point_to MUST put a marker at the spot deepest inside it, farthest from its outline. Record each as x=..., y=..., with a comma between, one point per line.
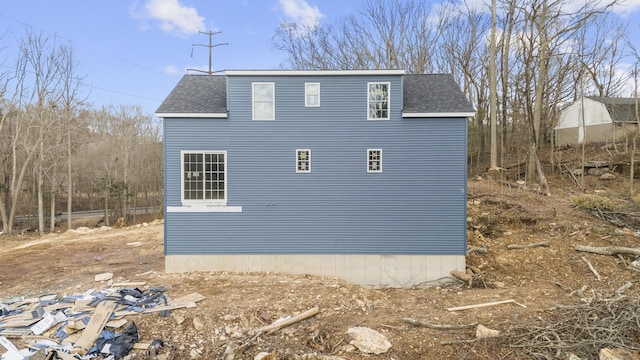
x=95, y=326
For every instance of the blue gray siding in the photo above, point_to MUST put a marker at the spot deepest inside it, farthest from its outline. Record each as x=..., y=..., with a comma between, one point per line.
x=417, y=205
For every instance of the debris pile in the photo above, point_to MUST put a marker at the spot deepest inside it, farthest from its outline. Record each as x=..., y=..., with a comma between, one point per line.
x=88, y=325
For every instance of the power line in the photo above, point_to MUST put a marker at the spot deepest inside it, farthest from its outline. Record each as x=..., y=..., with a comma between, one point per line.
x=74, y=44
x=122, y=93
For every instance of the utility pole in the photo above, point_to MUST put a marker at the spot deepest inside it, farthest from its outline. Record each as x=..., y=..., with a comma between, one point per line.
x=210, y=46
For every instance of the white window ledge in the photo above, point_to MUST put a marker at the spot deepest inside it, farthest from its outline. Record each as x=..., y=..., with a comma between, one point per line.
x=202, y=208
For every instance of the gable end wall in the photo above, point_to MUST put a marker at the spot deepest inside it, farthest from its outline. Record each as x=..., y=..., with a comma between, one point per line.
x=414, y=212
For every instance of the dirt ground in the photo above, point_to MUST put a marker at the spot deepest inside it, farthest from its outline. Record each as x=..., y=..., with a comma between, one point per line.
x=237, y=303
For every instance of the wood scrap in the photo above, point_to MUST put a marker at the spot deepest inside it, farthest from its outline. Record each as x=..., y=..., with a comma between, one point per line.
x=187, y=299
x=593, y=270
x=528, y=246
x=141, y=345
x=609, y=250
x=170, y=307
x=623, y=288
x=477, y=250
x=14, y=323
x=292, y=320
x=438, y=326
x=573, y=177
x=467, y=307
x=580, y=291
x=561, y=286
x=462, y=276
x=15, y=333
x=94, y=328
x=232, y=349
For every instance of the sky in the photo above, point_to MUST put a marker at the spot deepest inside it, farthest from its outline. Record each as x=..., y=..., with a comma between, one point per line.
x=133, y=52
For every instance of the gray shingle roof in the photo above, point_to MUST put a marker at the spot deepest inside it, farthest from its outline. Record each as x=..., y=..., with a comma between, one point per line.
x=424, y=93
x=620, y=109
x=198, y=94
x=433, y=93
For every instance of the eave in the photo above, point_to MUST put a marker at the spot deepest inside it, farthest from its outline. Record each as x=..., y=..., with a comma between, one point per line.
x=193, y=115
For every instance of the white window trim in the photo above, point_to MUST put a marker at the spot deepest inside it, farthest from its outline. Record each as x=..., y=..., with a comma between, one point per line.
x=306, y=94
x=388, y=100
x=439, y=115
x=273, y=100
x=192, y=208
x=202, y=203
x=303, y=171
x=367, y=162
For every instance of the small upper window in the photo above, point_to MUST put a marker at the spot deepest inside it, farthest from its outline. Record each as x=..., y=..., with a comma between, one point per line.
x=312, y=94
x=263, y=99
x=378, y=101
x=374, y=160
x=303, y=161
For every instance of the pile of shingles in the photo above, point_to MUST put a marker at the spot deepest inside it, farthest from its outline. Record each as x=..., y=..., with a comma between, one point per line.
x=89, y=325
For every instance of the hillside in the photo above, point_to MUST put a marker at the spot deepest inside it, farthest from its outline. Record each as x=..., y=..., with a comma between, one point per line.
x=537, y=279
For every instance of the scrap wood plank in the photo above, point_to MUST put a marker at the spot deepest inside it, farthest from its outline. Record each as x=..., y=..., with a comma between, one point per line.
x=15, y=333
x=170, y=307
x=116, y=323
x=187, y=301
x=121, y=314
x=466, y=307
x=16, y=323
x=141, y=346
x=94, y=327
x=292, y=320
x=82, y=305
x=55, y=307
x=193, y=297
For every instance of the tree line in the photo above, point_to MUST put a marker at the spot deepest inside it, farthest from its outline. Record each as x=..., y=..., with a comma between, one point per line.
x=59, y=153
x=519, y=62
x=545, y=54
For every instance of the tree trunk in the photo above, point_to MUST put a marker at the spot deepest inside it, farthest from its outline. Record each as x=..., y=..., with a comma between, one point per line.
x=39, y=184
x=52, y=215
x=69, y=182
x=544, y=186
x=106, y=209
x=493, y=89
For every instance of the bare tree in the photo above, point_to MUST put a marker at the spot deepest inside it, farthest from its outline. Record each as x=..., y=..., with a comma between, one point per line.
x=463, y=54
x=71, y=101
x=24, y=136
x=391, y=34
x=604, y=51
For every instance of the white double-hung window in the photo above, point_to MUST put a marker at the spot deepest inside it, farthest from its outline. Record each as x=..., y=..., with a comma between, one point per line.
x=204, y=177
x=374, y=160
x=263, y=100
x=311, y=94
x=303, y=160
x=378, y=100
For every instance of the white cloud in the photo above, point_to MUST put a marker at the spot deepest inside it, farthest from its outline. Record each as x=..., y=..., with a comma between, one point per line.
x=625, y=8
x=172, y=70
x=174, y=17
x=301, y=12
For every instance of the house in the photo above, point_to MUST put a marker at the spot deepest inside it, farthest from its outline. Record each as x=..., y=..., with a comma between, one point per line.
x=354, y=174
x=606, y=119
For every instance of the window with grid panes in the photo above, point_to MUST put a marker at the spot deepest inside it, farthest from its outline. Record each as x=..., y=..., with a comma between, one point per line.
x=204, y=176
